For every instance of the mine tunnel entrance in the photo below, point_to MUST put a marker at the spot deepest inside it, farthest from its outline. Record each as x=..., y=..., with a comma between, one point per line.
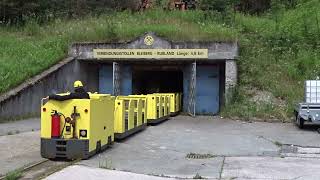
x=147, y=81
x=200, y=85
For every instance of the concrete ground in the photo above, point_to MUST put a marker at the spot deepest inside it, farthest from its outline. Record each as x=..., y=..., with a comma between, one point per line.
x=241, y=150
x=85, y=173
x=19, y=150
x=19, y=144
x=238, y=150
x=16, y=127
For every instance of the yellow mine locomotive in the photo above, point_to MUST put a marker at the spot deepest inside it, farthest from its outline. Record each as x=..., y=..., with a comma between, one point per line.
x=78, y=125
x=76, y=128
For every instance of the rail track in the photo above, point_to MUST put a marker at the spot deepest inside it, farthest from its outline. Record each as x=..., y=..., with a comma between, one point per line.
x=42, y=169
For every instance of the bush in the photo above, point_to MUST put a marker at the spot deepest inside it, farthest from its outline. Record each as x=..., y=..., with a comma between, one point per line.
x=215, y=5
x=19, y=11
x=32, y=28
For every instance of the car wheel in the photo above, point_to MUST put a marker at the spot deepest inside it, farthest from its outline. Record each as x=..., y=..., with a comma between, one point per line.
x=300, y=121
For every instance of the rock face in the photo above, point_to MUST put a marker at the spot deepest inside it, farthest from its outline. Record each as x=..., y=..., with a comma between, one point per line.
x=264, y=97
x=260, y=97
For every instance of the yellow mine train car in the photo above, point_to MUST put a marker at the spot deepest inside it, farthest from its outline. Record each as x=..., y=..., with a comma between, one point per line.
x=130, y=116
x=174, y=102
x=156, y=108
x=77, y=128
x=165, y=103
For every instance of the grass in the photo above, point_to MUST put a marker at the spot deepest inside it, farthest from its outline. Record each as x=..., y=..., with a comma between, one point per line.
x=198, y=176
x=279, y=50
x=26, y=51
x=278, y=53
x=13, y=132
x=277, y=143
x=13, y=175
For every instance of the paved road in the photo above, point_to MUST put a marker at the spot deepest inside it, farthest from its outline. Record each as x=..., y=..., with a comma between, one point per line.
x=241, y=150
x=17, y=127
x=238, y=147
x=271, y=168
x=262, y=168
x=19, y=150
x=19, y=144
x=85, y=173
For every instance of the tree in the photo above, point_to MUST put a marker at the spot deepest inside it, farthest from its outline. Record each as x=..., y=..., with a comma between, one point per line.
x=215, y=5
x=253, y=6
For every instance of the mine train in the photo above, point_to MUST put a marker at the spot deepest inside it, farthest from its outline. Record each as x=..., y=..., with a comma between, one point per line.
x=79, y=128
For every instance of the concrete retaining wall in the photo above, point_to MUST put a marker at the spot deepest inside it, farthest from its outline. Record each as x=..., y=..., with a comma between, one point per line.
x=24, y=101
x=231, y=78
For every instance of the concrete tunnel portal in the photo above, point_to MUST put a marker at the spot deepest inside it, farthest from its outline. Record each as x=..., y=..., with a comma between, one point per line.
x=205, y=72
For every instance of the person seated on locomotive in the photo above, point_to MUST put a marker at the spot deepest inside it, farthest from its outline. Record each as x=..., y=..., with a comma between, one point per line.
x=79, y=93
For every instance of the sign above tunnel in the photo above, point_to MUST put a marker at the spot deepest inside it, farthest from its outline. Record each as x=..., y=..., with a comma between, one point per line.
x=150, y=53
x=150, y=47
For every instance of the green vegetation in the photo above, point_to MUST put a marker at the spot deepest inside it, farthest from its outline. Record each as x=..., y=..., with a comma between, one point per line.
x=198, y=176
x=26, y=51
x=279, y=49
x=278, y=52
x=13, y=175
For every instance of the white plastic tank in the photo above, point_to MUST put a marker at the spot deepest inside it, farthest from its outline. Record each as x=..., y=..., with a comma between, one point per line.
x=312, y=91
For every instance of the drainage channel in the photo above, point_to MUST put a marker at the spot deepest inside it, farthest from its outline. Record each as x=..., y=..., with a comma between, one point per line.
x=199, y=156
x=299, y=151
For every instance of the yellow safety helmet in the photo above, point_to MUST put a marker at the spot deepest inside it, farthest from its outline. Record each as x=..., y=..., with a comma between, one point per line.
x=77, y=84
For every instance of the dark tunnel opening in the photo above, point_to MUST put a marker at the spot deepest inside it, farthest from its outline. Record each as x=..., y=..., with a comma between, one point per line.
x=147, y=82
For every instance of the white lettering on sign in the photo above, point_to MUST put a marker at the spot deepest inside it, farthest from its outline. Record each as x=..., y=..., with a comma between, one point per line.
x=150, y=53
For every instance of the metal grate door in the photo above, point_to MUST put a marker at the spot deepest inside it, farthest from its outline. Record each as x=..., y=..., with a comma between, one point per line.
x=116, y=79
x=192, y=90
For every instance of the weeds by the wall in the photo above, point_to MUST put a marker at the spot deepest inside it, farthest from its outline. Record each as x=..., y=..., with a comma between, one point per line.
x=278, y=53
x=13, y=175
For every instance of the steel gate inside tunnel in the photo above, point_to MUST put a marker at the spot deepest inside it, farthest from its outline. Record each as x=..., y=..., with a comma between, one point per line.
x=199, y=83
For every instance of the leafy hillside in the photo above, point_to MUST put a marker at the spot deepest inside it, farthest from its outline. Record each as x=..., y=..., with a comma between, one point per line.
x=278, y=52
x=279, y=49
